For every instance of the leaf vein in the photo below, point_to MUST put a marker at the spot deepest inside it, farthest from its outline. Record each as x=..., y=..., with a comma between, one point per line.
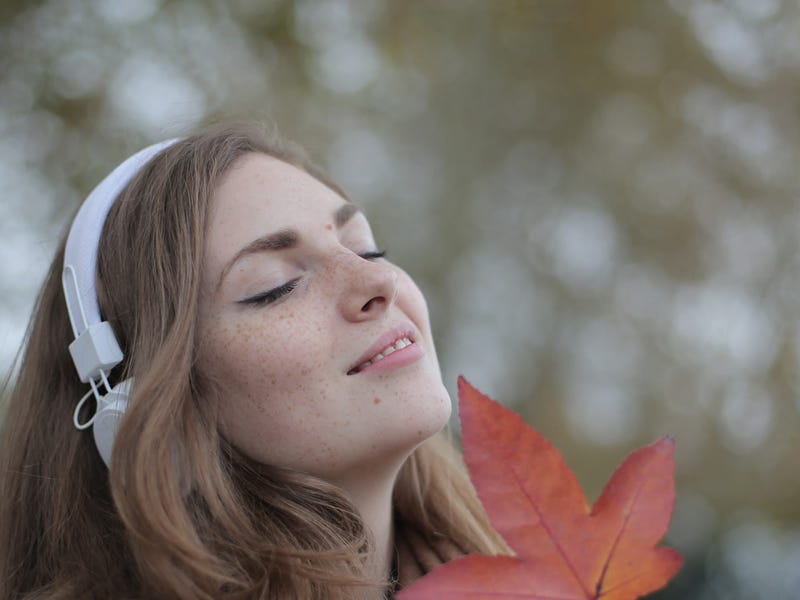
x=551, y=535
x=613, y=549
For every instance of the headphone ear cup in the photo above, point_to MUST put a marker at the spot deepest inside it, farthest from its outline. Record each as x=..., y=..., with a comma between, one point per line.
x=108, y=417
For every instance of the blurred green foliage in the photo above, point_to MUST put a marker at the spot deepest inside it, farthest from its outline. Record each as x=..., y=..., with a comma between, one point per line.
x=600, y=200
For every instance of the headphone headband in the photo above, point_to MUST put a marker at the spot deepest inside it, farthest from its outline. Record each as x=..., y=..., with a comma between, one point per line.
x=95, y=350
x=80, y=257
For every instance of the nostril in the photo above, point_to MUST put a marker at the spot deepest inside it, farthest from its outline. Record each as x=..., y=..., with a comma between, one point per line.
x=373, y=303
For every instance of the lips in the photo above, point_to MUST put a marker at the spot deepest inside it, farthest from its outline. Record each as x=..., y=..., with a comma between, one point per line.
x=395, y=339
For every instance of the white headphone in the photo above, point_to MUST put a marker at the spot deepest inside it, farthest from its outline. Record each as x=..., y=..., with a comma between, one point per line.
x=95, y=350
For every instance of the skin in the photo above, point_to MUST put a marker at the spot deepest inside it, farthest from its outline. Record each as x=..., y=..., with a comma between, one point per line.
x=284, y=364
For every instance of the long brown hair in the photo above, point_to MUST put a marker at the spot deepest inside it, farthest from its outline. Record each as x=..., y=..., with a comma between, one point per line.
x=181, y=513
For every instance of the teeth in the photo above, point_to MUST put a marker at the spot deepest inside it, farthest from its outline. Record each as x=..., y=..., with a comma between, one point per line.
x=398, y=345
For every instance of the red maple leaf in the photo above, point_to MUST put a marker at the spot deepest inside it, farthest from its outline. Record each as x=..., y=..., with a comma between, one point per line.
x=564, y=550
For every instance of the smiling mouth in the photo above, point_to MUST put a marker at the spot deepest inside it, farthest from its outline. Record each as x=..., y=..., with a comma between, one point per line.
x=398, y=344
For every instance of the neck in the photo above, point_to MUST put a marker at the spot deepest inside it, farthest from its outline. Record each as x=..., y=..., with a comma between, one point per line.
x=378, y=518
x=372, y=496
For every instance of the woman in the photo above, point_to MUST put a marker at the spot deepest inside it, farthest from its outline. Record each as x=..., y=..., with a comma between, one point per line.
x=280, y=436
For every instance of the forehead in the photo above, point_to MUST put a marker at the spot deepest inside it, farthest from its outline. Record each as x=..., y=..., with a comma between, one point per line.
x=260, y=195
x=266, y=185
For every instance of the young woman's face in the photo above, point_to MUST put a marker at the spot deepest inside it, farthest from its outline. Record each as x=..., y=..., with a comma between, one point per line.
x=322, y=350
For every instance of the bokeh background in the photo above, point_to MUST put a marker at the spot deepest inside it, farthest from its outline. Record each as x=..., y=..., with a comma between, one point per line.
x=599, y=199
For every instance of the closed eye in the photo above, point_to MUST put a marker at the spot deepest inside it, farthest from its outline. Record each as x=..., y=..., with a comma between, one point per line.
x=373, y=255
x=272, y=295
x=279, y=292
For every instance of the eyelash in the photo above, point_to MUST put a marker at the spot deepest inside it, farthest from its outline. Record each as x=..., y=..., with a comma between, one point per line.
x=279, y=292
x=373, y=255
x=273, y=295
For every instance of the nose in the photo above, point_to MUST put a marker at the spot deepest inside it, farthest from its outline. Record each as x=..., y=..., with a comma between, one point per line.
x=369, y=289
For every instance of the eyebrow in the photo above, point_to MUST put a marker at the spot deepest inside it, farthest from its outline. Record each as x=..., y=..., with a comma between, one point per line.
x=284, y=239
x=344, y=213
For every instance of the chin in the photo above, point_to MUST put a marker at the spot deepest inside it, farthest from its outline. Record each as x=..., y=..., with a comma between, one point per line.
x=436, y=412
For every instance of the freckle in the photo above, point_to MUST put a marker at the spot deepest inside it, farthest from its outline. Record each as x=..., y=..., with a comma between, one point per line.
x=329, y=226
x=376, y=400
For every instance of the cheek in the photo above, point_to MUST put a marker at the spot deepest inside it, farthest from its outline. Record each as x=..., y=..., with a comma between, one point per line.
x=239, y=358
x=413, y=303
x=263, y=371
x=237, y=355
